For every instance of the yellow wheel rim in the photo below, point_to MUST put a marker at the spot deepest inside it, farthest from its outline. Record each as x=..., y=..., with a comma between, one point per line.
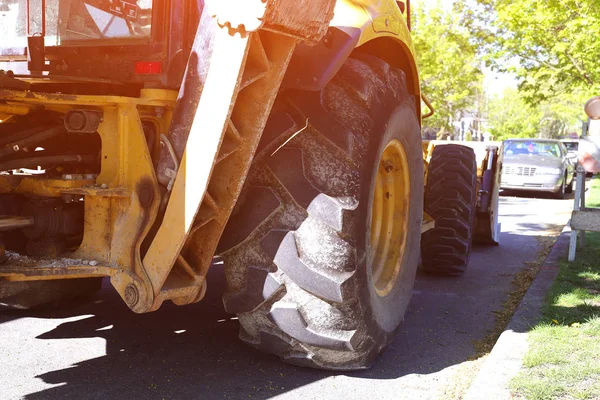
x=389, y=217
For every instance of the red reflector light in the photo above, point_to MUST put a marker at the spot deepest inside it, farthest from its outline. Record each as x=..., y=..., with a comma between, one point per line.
x=148, y=67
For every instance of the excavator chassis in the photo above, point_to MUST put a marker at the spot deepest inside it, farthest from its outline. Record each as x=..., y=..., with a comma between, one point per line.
x=158, y=244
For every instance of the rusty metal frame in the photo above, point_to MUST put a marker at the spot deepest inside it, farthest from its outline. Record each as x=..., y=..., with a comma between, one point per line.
x=121, y=203
x=307, y=20
x=196, y=214
x=245, y=73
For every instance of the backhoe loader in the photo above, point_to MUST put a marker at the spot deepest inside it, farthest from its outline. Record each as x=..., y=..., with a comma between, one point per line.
x=139, y=139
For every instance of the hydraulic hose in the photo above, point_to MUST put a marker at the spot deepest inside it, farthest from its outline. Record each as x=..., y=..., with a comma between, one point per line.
x=11, y=136
x=32, y=140
x=34, y=162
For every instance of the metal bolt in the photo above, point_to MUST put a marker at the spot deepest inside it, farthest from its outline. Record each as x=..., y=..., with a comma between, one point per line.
x=16, y=147
x=67, y=177
x=132, y=295
x=388, y=165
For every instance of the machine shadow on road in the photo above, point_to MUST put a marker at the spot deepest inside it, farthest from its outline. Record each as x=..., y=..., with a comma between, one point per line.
x=194, y=352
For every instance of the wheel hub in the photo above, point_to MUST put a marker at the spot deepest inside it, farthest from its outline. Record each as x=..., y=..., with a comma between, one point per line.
x=389, y=217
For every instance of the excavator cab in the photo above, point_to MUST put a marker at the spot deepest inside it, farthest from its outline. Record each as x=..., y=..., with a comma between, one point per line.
x=112, y=46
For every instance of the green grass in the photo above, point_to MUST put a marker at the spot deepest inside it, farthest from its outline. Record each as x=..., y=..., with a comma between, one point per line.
x=563, y=361
x=593, y=198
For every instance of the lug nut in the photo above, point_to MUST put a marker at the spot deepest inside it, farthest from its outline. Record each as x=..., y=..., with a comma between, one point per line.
x=131, y=295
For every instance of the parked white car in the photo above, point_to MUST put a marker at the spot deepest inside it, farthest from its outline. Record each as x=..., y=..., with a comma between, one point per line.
x=537, y=165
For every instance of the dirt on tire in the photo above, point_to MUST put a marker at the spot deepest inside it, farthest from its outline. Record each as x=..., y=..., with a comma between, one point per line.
x=295, y=248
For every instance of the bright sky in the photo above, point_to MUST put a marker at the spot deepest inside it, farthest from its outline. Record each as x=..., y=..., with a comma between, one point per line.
x=495, y=83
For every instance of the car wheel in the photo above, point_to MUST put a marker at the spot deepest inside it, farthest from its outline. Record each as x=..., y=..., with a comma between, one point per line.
x=569, y=188
x=560, y=194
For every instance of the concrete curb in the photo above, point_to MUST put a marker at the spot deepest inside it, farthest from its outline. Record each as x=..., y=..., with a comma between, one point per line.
x=506, y=358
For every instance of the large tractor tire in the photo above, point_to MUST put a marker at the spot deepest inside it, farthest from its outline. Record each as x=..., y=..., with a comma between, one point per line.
x=322, y=249
x=450, y=198
x=47, y=294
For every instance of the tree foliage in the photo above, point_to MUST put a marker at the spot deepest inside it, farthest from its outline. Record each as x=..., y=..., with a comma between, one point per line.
x=509, y=116
x=449, y=66
x=552, y=47
x=556, y=42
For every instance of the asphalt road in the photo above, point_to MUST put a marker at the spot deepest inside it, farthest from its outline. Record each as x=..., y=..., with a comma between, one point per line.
x=104, y=351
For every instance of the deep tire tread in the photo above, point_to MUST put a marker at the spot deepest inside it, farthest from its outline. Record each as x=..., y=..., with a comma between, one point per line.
x=450, y=198
x=317, y=204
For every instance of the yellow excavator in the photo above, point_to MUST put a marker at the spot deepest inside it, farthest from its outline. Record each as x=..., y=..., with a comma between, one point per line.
x=140, y=139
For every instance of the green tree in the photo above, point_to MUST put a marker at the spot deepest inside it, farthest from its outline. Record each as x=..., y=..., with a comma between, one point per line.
x=509, y=116
x=562, y=115
x=449, y=66
x=555, y=42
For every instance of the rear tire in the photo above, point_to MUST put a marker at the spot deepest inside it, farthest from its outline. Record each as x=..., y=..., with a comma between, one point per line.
x=569, y=188
x=47, y=294
x=561, y=191
x=450, y=198
x=297, y=248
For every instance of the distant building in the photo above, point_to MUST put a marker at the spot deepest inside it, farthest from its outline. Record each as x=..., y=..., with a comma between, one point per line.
x=471, y=126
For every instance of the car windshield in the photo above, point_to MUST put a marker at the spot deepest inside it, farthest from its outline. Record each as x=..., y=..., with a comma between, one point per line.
x=571, y=146
x=69, y=22
x=532, y=148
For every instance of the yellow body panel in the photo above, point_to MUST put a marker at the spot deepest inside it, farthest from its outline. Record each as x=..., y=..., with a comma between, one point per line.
x=377, y=19
x=374, y=18
x=122, y=201
x=42, y=187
